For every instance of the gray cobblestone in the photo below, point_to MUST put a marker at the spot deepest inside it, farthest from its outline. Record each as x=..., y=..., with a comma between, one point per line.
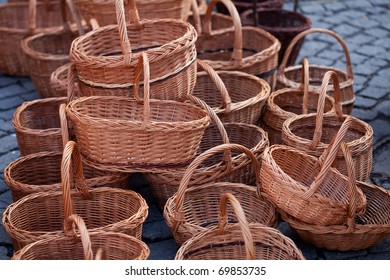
x=3, y=186
x=380, y=128
x=165, y=249
x=156, y=231
x=9, y=144
x=338, y=255
x=31, y=96
x=365, y=115
x=365, y=103
x=27, y=83
x=381, y=156
x=366, y=68
x=359, y=4
x=334, y=7
x=384, y=108
x=375, y=92
x=7, y=158
x=4, y=236
x=11, y=103
x=371, y=50
x=6, y=80
x=384, y=246
x=379, y=82
x=7, y=115
x=6, y=198
x=6, y=126
x=377, y=32
x=312, y=9
x=4, y=253
x=11, y=90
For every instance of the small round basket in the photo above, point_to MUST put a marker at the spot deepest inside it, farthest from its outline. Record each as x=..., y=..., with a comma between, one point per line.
x=239, y=241
x=80, y=245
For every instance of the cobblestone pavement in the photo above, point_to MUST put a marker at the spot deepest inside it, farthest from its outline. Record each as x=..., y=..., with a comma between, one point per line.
x=365, y=27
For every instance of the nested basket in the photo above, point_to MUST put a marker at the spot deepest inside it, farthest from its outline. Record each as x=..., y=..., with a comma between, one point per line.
x=37, y=125
x=243, y=5
x=306, y=187
x=245, y=48
x=358, y=231
x=83, y=245
x=291, y=76
x=104, y=10
x=285, y=103
x=106, y=57
x=18, y=20
x=235, y=96
x=240, y=241
x=194, y=208
x=59, y=80
x=283, y=24
x=232, y=167
x=41, y=215
x=120, y=133
x=313, y=132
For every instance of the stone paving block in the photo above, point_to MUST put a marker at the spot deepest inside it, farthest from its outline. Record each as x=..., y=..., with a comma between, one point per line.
x=330, y=55
x=365, y=115
x=6, y=126
x=154, y=214
x=7, y=158
x=7, y=115
x=339, y=255
x=27, y=83
x=365, y=22
x=360, y=39
x=365, y=103
x=375, y=92
x=306, y=8
x=379, y=81
x=6, y=198
x=384, y=108
x=383, y=246
x=381, y=129
x=11, y=103
x=366, y=69
x=345, y=30
x=335, y=6
x=11, y=90
x=3, y=186
x=152, y=232
x=30, y=96
x=311, y=50
x=6, y=80
x=8, y=143
x=380, y=2
x=359, y=4
x=164, y=250
x=370, y=50
x=4, y=236
x=381, y=155
x=377, y=32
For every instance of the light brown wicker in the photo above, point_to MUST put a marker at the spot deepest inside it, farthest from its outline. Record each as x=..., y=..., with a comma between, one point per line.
x=240, y=241
x=313, y=132
x=104, y=10
x=192, y=209
x=233, y=167
x=37, y=126
x=106, y=57
x=46, y=51
x=245, y=48
x=290, y=76
x=358, y=232
x=81, y=245
x=41, y=215
x=285, y=103
x=18, y=20
x=306, y=187
x=120, y=133
x=234, y=95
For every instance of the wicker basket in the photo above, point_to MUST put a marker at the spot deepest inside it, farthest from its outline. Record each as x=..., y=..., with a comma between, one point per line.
x=240, y=241
x=358, y=232
x=283, y=24
x=81, y=245
x=285, y=103
x=192, y=209
x=118, y=133
x=313, y=132
x=104, y=10
x=106, y=57
x=41, y=215
x=291, y=76
x=235, y=96
x=16, y=22
x=244, y=5
x=234, y=167
x=306, y=187
x=37, y=126
x=245, y=48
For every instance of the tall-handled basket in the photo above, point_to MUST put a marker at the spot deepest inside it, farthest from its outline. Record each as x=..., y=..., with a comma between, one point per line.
x=41, y=215
x=240, y=241
x=83, y=245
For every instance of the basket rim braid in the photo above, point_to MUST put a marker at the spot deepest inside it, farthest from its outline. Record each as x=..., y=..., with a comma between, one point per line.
x=261, y=62
x=233, y=108
x=312, y=133
x=41, y=215
x=81, y=243
x=188, y=211
x=358, y=232
x=282, y=102
x=169, y=54
x=221, y=241
x=306, y=187
x=120, y=133
x=233, y=167
x=346, y=84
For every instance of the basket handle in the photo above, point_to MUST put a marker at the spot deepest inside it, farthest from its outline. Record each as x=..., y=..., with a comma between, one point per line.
x=305, y=85
x=321, y=105
x=196, y=16
x=329, y=156
x=179, y=199
x=226, y=100
x=71, y=82
x=238, y=41
x=241, y=220
x=72, y=154
x=79, y=223
x=64, y=125
x=75, y=15
x=298, y=37
x=122, y=27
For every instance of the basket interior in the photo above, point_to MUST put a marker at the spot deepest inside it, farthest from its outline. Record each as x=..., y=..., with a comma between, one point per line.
x=281, y=20
x=52, y=43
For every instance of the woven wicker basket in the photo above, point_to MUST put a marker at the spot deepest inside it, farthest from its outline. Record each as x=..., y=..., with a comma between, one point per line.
x=285, y=103
x=244, y=5
x=233, y=167
x=248, y=49
x=17, y=21
x=41, y=215
x=358, y=232
x=240, y=241
x=106, y=57
x=291, y=76
x=313, y=132
x=81, y=245
x=118, y=133
x=192, y=209
x=59, y=80
x=306, y=187
x=235, y=96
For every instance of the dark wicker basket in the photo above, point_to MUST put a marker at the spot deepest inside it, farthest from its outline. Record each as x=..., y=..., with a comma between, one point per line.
x=243, y=5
